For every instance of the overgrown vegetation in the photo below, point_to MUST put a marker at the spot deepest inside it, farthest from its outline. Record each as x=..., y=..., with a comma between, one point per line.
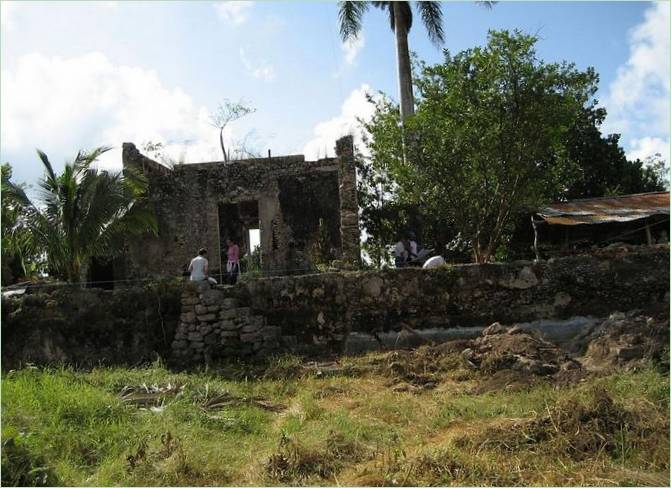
x=496, y=133
x=82, y=213
x=301, y=423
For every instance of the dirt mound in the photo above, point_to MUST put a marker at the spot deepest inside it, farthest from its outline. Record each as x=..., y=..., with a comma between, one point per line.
x=577, y=428
x=625, y=340
x=511, y=348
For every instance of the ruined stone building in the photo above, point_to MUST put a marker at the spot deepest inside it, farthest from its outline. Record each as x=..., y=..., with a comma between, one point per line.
x=302, y=209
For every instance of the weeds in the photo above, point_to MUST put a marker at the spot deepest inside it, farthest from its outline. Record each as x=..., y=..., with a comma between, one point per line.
x=349, y=425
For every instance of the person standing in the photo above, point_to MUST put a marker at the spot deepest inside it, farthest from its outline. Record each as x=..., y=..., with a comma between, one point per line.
x=233, y=264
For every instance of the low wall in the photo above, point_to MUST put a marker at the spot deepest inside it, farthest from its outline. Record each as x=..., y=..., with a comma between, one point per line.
x=315, y=314
x=89, y=327
x=321, y=313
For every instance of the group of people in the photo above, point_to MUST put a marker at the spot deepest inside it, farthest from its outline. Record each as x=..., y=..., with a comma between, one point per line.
x=407, y=253
x=199, y=269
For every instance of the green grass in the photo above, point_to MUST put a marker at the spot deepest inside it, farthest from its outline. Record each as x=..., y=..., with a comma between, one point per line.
x=62, y=426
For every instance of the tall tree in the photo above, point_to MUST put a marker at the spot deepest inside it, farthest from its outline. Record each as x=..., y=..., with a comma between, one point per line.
x=82, y=212
x=488, y=139
x=400, y=20
x=225, y=114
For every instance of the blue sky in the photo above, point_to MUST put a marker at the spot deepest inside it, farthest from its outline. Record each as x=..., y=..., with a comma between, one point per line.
x=82, y=74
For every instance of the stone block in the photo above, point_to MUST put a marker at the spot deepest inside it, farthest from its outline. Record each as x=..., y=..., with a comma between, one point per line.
x=213, y=308
x=179, y=344
x=188, y=317
x=205, y=329
x=228, y=325
x=211, y=297
x=227, y=314
x=195, y=336
x=254, y=337
x=201, y=309
x=259, y=320
x=228, y=303
x=228, y=334
x=192, y=300
x=208, y=317
x=198, y=345
x=270, y=332
x=250, y=328
x=211, y=339
x=243, y=313
x=629, y=352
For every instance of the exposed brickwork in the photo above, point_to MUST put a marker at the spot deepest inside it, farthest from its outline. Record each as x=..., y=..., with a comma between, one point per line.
x=291, y=195
x=349, y=208
x=315, y=313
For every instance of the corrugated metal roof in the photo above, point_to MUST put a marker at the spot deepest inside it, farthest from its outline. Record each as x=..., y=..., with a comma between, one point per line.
x=622, y=208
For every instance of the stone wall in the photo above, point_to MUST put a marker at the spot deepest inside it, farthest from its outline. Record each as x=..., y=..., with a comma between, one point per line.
x=314, y=314
x=319, y=313
x=194, y=206
x=89, y=327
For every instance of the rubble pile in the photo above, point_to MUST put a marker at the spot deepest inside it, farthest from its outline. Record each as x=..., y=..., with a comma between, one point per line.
x=512, y=348
x=625, y=340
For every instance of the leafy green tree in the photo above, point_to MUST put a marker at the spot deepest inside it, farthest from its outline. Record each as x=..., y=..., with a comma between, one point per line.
x=488, y=139
x=19, y=256
x=83, y=212
x=602, y=167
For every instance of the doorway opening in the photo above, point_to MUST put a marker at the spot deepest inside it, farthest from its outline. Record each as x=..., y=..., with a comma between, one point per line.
x=101, y=273
x=240, y=223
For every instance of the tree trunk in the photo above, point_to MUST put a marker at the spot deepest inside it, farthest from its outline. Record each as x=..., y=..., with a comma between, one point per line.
x=403, y=60
x=221, y=142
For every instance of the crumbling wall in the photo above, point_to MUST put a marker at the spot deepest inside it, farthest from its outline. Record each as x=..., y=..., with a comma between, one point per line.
x=292, y=195
x=315, y=313
x=90, y=327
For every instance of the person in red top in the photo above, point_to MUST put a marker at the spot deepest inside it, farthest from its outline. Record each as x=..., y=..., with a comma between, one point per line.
x=233, y=264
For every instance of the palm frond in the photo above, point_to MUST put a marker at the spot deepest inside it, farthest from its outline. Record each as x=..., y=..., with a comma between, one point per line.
x=349, y=17
x=47, y=164
x=432, y=17
x=14, y=192
x=487, y=3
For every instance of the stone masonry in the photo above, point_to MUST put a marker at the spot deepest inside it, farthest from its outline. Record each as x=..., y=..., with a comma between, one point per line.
x=213, y=325
x=292, y=202
x=314, y=314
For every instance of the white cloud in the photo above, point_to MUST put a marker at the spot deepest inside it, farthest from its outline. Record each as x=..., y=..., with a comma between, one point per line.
x=649, y=146
x=356, y=106
x=7, y=11
x=63, y=104
x=261, y=70
x=233, y=12
x=638, y=99
x=352, y=47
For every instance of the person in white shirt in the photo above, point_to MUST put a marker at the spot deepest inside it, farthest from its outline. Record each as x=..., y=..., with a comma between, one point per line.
x=199, y=268
x=405, y=250
x=400, y=253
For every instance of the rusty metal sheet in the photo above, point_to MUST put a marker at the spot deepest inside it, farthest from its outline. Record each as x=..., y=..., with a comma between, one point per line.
x=622, y=208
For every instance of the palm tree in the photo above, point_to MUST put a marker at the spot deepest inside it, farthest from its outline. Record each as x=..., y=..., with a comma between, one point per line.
x=400, y=19
x=83, y=212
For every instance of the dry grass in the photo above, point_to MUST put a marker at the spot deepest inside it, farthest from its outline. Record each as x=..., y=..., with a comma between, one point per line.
x=345, y=423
